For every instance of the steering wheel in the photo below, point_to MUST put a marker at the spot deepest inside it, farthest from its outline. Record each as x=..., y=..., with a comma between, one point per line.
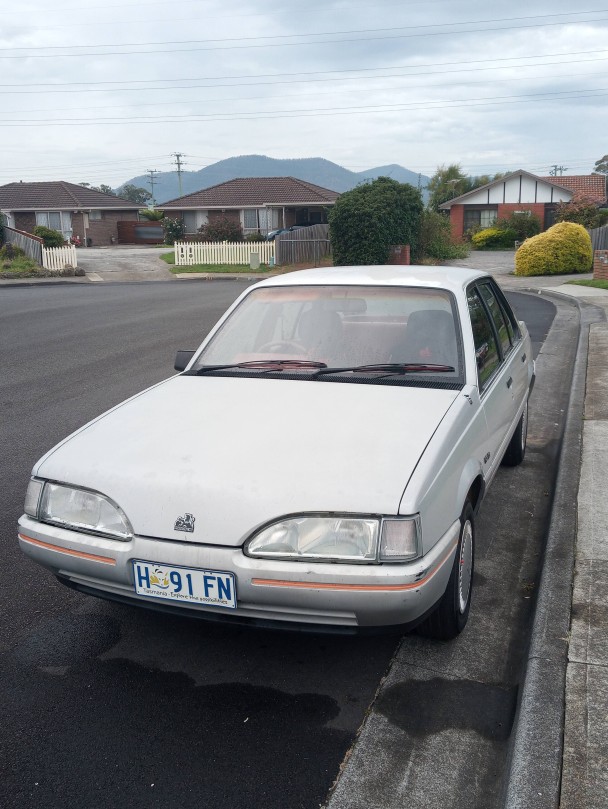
x=283, y=346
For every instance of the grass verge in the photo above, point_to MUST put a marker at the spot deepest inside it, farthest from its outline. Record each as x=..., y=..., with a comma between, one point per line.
x=22, y=267
x=217, y=268
x=591, y=282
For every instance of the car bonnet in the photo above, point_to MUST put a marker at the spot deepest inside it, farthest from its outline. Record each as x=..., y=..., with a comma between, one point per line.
x=235, y=453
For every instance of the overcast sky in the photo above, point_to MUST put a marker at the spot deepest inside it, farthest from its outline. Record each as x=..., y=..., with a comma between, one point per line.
x=101, y=92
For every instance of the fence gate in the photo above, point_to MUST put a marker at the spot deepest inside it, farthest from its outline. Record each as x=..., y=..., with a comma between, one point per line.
x=305, y=245
x=599, y=238
x=57, y=258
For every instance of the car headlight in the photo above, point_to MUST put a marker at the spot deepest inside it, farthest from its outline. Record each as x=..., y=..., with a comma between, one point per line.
x=77, y=509
x=339, y=538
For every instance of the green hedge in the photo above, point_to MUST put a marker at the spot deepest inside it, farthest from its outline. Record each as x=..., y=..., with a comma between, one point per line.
x=366, y=221
x=564, y=248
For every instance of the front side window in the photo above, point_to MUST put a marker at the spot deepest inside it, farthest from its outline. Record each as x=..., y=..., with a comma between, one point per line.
x=486, y=350
x=342, y=327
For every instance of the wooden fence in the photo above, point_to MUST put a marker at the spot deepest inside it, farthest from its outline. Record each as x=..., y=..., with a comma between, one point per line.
x=31, y=245
x=189, y=253
x=56, y=258
x=599, y=238
x=304, y=246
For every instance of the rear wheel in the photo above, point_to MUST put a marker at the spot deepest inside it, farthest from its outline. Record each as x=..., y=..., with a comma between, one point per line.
x=452, y=613
x=517, y=445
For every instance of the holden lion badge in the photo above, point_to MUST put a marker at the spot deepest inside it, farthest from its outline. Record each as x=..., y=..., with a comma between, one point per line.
x=185, y=523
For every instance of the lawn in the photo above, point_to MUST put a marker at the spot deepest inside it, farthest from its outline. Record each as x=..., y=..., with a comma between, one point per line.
x=21, y=267
x=169, y=258
x=591, y=282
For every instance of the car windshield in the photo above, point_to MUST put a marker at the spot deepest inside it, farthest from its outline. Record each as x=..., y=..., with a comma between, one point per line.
x=341, y=327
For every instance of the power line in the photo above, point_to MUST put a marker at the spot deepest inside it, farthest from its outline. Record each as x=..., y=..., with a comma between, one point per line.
x=317, y=93
x=307, y=34
x=476, y=62
x=125, y=7
x=368, y=39
x=323, y=111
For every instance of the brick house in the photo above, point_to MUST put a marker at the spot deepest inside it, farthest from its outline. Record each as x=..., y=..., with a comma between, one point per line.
x=258, y=204
x=69, y=208
x=523, y=192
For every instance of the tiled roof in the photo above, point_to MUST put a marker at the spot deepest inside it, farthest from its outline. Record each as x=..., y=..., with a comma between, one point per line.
x=57, y=196
x=256, y=191
x=590, y=185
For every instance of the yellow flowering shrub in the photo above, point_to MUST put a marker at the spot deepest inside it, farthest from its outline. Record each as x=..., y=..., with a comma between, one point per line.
x=564, y=248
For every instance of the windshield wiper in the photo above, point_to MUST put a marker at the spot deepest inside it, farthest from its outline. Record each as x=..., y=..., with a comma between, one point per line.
x=264, y=365
x=389, y=368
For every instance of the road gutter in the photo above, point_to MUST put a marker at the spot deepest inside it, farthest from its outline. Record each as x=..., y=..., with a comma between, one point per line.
x=535, y=759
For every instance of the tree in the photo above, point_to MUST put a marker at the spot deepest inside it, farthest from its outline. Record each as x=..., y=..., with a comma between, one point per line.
x=447, y=182
x=581, y=210
x=103, y=189
x=152, y=214
x=135, y=194
x=601, y=165
x=366, y=221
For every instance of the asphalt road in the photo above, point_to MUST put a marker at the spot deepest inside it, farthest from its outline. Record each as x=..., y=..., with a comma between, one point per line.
x=106, y=705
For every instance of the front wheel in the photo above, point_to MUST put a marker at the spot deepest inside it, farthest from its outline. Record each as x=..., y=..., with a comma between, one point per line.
x=452, y=613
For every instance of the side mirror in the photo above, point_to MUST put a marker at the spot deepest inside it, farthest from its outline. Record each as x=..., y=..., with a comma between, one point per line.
x=182, y=358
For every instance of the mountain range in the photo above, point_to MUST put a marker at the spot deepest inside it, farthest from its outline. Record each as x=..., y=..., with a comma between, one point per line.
x=312, y=169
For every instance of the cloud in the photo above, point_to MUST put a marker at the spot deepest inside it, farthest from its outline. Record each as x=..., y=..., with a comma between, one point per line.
x=416, y=83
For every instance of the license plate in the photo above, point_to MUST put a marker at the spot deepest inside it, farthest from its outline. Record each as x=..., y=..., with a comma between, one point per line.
x=191, y=585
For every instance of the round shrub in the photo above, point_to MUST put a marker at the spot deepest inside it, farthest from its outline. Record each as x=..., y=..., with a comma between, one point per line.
x=367, y=220
x=50, y=237
x=222, y=229
x=564, y=248
x=493, y=237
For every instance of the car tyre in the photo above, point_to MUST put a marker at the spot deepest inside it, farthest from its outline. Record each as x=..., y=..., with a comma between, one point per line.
x=516, y=450
x=452, y=613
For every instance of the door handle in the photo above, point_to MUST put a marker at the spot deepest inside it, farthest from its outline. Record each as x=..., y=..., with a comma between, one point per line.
x=509, y=381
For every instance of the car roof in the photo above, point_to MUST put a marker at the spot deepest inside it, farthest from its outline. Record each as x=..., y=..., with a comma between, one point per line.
x=451, y=278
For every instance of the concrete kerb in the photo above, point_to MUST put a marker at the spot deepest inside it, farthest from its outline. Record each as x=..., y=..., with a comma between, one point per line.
x=535, y=763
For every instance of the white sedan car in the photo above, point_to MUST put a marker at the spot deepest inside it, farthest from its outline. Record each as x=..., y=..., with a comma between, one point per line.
x=319, y=460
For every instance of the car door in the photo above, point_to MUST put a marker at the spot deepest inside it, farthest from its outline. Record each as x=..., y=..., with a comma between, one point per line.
x=495, y=342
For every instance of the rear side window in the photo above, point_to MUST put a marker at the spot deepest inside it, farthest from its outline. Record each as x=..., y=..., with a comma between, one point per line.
x=505, y=335
x=486, y=349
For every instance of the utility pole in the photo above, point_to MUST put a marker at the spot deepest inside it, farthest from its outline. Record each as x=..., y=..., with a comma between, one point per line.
x=555, y=170
x=152, y=180
x=178, y=162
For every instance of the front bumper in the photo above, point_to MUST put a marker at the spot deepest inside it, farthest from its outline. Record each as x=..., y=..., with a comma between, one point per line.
x=321, y=594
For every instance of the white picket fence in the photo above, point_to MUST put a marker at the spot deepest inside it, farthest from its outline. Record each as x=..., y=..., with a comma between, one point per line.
x=188, y=253
x=57, y=258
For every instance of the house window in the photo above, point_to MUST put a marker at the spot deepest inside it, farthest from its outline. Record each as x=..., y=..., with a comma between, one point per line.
x=190, y=221
x=250, y=219
x=480, y=218
x=94, y=216
x=56, y=220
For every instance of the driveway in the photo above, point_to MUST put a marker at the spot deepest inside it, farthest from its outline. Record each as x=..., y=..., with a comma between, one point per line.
x=494, y=262
x=128, y=263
